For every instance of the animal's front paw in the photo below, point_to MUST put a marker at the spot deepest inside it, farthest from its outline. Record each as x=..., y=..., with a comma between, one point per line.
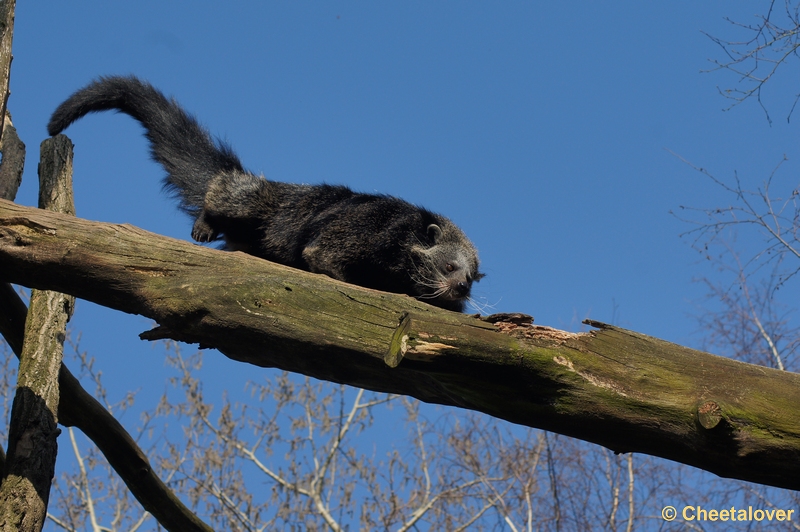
x=202, y=232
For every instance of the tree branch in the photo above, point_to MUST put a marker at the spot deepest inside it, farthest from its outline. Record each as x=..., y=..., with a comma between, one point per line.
x=13, y=163
x=7, y=8
x=626, y=391
x=32, y=446
x=77, y=408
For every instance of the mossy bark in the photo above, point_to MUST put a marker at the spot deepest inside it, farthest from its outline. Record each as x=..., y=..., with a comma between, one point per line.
x=617, y=388
x=32, y=446
x=46, y=386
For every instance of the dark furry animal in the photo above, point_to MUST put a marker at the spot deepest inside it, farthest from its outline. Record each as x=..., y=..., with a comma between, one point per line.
x=374, y=241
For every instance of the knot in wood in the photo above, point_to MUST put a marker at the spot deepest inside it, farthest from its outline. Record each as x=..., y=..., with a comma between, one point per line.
x=709, y=414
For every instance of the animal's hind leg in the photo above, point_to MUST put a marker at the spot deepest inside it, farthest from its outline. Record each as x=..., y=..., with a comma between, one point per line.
x=233, y=200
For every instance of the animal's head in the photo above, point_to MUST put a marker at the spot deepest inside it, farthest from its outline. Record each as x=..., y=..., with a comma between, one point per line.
x=446, y=268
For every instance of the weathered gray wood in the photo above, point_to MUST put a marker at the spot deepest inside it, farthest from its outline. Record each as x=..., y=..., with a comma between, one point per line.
x=621, y=389
x=13, y=163
x=7, y=11
x=32, y=446
x=76, y=407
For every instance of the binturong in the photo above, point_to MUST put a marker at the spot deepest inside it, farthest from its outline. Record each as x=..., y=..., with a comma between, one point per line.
x=371, y=240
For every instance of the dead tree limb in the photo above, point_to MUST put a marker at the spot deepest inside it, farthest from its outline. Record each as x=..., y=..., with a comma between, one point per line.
x=7, y=9
x=13, y=163
x=626, y=391
x=77, y=408
x=32, y=445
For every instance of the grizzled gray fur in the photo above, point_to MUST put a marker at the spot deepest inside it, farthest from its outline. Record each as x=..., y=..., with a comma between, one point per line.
x=371, y=240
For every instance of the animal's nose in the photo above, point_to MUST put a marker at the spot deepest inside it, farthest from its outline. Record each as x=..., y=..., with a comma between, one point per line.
x=462, y=289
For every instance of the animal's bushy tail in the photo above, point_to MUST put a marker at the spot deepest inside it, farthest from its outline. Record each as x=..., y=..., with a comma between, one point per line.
x=177, y=141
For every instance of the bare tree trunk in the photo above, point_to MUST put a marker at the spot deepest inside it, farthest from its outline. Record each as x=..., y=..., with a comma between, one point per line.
x=32, y=445
x=621, y=389
x=13, y=163
x=7, y=8
x=77, y=408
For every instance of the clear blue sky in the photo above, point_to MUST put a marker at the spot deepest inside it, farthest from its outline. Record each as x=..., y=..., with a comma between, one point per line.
x=543, y=129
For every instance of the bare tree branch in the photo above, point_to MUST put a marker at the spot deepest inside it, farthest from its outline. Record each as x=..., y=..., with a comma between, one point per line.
x=7, y=8
x=776, y=216
x=771, y=43
x=31, y=462
x=13, y=163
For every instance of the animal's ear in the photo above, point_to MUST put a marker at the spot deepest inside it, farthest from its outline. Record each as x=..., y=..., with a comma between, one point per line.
x=434, y=233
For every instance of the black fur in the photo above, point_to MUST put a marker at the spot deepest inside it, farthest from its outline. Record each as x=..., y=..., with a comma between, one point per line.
x=371, y=240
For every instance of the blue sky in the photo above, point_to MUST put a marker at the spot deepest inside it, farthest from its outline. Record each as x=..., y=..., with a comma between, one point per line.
x=544, y=129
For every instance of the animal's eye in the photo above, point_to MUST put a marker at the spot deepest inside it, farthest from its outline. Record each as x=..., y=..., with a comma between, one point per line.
x=449, y=267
